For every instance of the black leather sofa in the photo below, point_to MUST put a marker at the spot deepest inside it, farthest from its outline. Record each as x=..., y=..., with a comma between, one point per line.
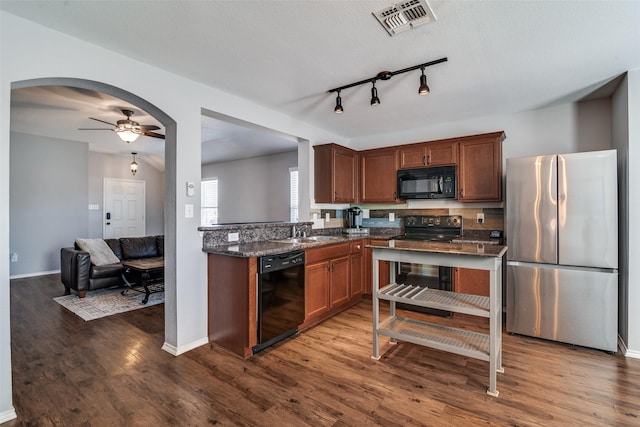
x=78, y=273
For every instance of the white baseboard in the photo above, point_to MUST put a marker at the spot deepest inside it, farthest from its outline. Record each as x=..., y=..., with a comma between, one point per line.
x=8, y=415
x=176, y=351
x=40, y=273
x=634, y=354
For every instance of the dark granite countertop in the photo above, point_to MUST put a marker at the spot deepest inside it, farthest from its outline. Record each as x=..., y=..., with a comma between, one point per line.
x=268, y=247
x=479, y=249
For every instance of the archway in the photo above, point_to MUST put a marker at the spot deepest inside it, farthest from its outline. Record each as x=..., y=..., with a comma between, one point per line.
x=170, y=180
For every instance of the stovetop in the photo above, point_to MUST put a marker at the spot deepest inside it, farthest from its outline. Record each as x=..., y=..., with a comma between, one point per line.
x=432, y=228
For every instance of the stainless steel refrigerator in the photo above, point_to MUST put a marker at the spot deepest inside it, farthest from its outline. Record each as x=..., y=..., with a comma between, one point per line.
x=562, y=261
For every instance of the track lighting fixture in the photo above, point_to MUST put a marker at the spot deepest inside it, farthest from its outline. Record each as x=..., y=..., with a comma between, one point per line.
x=374, y=94
x=424, y=89
x=386, y=75
x=133, y=167
x=338, y=109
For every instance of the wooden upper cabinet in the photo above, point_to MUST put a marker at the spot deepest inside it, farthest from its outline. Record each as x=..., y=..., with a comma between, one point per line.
x=336, y=172
x=428, y=154
x=378, y=176
x=480, y=168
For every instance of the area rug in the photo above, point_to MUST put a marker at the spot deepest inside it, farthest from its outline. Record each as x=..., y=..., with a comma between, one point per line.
x=106, y=302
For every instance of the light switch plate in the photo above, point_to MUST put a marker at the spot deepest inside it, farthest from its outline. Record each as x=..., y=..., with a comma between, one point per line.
x=327, y=217
x=233, y=237
x=188, y=210
x=392, y=217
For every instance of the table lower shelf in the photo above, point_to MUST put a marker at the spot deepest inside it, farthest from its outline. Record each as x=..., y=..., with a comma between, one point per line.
x=453, y=340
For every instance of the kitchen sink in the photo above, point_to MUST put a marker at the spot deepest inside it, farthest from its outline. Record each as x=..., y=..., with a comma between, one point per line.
x=309, y=239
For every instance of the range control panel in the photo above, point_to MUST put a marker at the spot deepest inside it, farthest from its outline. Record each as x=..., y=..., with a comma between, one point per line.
x=447, y=221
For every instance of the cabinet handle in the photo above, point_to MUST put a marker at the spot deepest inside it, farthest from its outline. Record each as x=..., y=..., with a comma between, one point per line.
x=424, y=160
x=395, y=195
x=462, y=193
x=428, y=159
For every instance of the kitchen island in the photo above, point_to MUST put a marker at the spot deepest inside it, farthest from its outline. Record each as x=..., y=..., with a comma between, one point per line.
x=487, y=347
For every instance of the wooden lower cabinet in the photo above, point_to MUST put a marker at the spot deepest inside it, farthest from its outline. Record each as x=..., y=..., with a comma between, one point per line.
x=316, y=289
x=232, y=303
x=471, y=281
x=329, y=286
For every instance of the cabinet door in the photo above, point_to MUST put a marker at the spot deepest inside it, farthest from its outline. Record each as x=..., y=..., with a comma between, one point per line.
x=412, y=156
x=335, y=174
x=480, y=171
x=316, y=288
x=379, y=176
x=441, y=153
x=471, y=281
x=344, y=176
x=357, y=269
x=339, y=281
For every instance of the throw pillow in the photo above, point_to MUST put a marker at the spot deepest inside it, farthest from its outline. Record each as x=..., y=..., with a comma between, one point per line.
x=99, y=252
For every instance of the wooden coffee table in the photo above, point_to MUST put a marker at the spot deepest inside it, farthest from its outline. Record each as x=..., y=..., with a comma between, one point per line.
x=143, y=272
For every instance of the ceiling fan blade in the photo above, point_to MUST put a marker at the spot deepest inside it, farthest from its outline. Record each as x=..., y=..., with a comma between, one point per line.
x=93, y=129
x=146, y=128
x=154, y=135
x=102, y=121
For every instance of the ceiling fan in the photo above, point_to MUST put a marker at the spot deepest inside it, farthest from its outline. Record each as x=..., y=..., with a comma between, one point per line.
x=127, y=129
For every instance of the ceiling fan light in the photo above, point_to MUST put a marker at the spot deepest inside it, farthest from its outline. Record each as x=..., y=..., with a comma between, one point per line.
x=127, y=135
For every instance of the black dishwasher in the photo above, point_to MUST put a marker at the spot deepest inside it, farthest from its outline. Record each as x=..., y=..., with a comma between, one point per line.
x=280, y=297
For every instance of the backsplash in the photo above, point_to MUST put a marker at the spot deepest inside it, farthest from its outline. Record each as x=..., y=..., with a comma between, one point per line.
x=379, y=218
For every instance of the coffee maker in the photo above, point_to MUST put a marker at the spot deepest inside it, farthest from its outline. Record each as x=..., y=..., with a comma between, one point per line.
x=354, y=221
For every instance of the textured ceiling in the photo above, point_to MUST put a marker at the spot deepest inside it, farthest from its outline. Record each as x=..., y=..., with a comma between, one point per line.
x=503, y=56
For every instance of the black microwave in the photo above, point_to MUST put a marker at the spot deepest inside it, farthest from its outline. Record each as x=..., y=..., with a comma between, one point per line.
x=428, y=183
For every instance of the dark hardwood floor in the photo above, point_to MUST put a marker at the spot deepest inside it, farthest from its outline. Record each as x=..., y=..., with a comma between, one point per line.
x=111, y=371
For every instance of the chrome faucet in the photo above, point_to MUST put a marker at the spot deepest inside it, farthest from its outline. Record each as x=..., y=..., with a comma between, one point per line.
x=298, y=232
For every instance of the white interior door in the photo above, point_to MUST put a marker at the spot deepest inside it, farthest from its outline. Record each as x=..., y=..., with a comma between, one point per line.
x=124, y=208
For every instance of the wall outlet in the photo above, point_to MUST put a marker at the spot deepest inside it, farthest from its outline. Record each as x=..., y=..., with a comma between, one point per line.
x=480, y=218
x=365, y=213
x=392, y=217
x=14, y=257
x=327, y=217
x=233, y=237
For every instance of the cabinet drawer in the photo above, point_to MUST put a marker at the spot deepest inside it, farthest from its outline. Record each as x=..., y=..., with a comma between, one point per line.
x=357, y=247
x=325, y=252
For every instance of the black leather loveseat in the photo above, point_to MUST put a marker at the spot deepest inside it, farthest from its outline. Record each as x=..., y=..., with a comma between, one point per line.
x=77, y=271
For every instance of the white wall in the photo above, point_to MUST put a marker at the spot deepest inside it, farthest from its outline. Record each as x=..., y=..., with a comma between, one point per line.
x=30, y=51
x=103, y=165
x=565, y=128
x=254, y=189
x=48, y=200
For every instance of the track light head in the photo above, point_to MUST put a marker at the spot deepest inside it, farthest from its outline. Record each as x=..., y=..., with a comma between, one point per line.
x=374, y=94
x=338, y=109
x=424, y=89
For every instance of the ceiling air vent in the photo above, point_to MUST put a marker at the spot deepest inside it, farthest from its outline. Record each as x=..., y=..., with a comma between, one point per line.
x=405, y=15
